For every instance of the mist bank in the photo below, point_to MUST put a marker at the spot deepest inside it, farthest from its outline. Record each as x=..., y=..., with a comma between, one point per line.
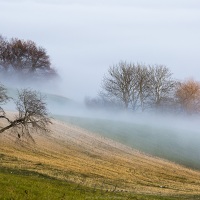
x=59, y=104
x=171, y=136
x=174, y=140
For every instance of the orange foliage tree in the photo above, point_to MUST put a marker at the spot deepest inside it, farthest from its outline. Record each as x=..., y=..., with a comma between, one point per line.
x=188, y=96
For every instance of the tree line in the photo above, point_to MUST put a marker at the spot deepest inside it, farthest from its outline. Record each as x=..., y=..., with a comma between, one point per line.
x=146, y=87
x=24, y=57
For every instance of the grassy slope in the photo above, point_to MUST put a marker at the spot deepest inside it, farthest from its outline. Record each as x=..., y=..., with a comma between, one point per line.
x=157, y=142
x=55, y=103
x=18, y=184
x=21, y=184
x=165, y=143
x=69, y=159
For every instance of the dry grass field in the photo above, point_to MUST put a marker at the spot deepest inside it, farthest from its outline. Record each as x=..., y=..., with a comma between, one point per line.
x=74, y=154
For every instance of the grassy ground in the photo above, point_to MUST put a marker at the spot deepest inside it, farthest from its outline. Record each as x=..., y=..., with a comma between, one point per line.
x=28, y=185
x=82, y=165
x=21, y=184
x=165, y=142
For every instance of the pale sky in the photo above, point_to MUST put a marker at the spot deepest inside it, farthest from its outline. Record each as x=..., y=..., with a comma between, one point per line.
x=84, y=37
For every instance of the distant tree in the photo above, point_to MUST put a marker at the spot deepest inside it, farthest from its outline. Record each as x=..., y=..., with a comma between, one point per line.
x=4, y=53
x=188, y=96
x=32, y=114
x=119, y=84
x=138, y=86
x=3, y=99
x=161, y=86
x=142, y=87
x=37, y=57
x=3, y=94
x=101, y=102
x=24, y=57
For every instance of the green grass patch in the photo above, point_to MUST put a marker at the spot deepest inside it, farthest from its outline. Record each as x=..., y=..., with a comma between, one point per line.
x=22, y=184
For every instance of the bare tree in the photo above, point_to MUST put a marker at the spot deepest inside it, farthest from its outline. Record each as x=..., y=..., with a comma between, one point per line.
x=138, y=86
x=188, y=96
x=119, y=83
x=3, y=99
x=142, y=81
x=32, y=113
x=3, y=94
x=161, y=87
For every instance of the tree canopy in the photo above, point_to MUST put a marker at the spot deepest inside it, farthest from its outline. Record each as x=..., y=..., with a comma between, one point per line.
x=24, y=57
x=188, y=96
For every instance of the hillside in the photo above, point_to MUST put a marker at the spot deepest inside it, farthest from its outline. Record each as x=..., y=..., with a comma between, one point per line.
x=169, y=140
x=74, y=154
x=56, y=104
x=174, y=140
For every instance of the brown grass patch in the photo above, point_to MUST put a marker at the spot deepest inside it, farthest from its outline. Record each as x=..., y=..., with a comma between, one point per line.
x=71, y=153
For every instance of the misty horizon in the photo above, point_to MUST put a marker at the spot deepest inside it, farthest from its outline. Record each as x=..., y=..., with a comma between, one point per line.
x=84, y=38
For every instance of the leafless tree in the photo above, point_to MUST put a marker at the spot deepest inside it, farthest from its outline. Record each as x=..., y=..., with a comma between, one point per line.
x=141, y=78
x=3, y=94
x=119, y=83
x=139, y=86
x=32, y=113
x=188, y=96
x=162, y=86
x=3, y=98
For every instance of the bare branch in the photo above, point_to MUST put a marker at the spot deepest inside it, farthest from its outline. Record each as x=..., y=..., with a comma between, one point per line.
x=32, y=113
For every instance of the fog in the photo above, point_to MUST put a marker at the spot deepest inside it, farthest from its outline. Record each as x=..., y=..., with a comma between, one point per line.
x=174, y=137
x=84, y=37
x=170, y=136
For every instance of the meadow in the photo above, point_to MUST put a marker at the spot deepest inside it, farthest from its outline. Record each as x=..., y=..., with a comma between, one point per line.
x=70, y=162
x=177, y=145
x=22, y=184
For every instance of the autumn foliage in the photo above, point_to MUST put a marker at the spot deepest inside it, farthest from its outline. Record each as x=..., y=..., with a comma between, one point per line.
x=188, y=96
x=24, y=57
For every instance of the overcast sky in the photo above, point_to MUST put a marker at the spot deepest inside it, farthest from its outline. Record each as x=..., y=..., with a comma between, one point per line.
x=85, y=37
